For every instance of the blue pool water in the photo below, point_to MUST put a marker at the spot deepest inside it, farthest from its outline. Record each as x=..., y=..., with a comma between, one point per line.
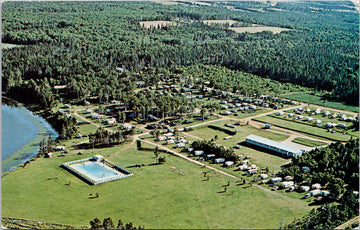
x=94, y=170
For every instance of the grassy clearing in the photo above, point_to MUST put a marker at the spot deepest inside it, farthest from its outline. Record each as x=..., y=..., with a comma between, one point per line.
x=156, y=24
x=8, y=46
x=306, y=129
x=178, y=195
x=308, y=142
x=261, y=158
x=307, y=98
x=258, y=29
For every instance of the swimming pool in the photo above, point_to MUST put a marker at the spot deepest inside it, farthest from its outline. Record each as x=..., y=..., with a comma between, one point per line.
x=96, y=171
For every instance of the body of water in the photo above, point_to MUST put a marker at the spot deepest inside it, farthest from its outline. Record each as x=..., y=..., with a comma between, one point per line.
x=21, y=134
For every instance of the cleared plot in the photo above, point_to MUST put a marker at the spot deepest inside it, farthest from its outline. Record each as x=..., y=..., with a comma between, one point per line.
x=258, y=29
x=175, y=192
x=307, y=98
x=156, y=24
x=222, y=22
x=302, y=128
x=308, y=142
x=8, y=46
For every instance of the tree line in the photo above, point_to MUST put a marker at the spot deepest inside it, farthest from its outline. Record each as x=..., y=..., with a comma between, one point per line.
x=335, y=167
x=82, y=51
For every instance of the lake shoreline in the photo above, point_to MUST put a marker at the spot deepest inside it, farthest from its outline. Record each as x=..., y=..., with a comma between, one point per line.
x=30, y=150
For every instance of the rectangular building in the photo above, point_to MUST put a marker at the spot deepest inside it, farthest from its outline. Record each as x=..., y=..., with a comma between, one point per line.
x=275, y=146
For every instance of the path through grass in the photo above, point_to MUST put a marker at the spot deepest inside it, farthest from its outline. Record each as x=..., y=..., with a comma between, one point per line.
x=173, y=195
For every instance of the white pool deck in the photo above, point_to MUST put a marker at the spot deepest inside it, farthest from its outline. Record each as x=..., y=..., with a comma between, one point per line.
x=75, y=167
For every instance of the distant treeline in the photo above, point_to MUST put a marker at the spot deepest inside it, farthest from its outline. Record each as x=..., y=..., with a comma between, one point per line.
x=80, y=44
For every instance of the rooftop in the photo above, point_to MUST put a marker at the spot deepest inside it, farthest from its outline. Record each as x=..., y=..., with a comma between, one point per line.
x=275, y=144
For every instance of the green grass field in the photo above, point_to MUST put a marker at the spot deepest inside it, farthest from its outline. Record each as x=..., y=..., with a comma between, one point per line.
x=308, y=142
x=157, y=196
x=312, y=99
x=306, y=129
x=260, y=158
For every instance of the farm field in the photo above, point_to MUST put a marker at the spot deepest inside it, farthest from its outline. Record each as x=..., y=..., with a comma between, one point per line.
x=224, y=22
x=258, y=29
x=306, y=129
x=156, y=24
x=312, y=99
x=174, y=191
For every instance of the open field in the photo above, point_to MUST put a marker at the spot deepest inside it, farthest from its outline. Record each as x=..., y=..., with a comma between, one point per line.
x=156, y=24
x=307, y=98
x=306, y=129
x=8, y=46
x=177, y=194
x=258, y=29
x=308, y=142
x=223, y=22
x=207, y=133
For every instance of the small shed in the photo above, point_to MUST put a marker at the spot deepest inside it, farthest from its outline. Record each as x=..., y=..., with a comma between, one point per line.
x=242, y=167
x=275, y=180
x=245, y=162
x=169, y=142
x=219, y=160
x=287, y=184
x=199, y=153
x=263, y=176
x=229, y=163
x=251, y=171
x=324, y=193
x=304, y=188
x=316, y=186
x=315, y=192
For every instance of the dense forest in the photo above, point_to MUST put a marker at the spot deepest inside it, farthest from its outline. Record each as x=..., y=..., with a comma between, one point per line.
x=81, y=44
x=336, y=168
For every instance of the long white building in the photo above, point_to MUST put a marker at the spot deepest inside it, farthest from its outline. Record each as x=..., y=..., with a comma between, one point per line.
x=284, y=149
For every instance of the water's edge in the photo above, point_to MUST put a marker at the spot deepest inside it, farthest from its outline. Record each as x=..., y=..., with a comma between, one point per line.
x=29, y=150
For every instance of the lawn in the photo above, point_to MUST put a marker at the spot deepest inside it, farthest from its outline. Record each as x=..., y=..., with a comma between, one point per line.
x=157, y=196
x=312, y=99
x=308, y=142
x=306, y=129
x=261, y=158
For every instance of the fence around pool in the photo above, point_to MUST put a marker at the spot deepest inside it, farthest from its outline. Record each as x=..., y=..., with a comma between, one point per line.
x=88, y=177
